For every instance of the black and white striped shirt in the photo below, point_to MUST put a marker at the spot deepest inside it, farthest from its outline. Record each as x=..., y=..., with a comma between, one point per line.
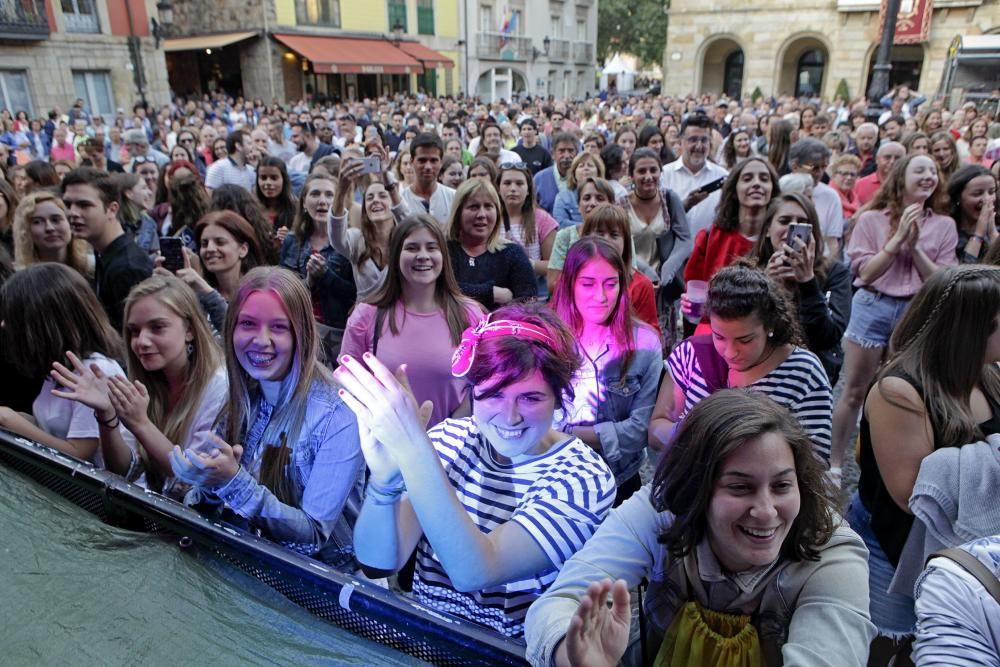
x=559, y=498
x=799, y=383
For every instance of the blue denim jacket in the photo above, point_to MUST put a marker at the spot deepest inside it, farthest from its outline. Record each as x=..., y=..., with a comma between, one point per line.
x=624, y=409
x=327, y=479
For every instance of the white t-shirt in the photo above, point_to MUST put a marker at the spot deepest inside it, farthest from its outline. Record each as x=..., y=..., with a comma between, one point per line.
x=66, y=419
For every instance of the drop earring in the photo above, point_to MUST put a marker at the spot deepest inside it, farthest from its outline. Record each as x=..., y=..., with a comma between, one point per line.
x=190, y=350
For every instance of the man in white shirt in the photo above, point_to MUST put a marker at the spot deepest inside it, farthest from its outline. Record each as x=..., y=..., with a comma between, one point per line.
x=234, y=170
x=692, y=170
x=426, y=195
x=279, y=147
x=811, y=156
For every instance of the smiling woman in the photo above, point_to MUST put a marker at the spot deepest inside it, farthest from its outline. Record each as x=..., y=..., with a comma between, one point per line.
x=495, y=503
x=745, y=554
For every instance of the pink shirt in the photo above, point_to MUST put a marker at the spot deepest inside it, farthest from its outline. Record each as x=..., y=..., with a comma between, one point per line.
x=545, y=224
x=64, y=152
x=938, y=238
x=423, y=344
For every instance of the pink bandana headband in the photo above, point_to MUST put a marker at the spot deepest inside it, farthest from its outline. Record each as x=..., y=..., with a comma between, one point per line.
x=465, y=354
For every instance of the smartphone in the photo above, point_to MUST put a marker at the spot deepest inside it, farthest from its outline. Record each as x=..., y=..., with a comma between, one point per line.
x=709, y=188
x=798, y=231
x=172, y=250
x=371, y=165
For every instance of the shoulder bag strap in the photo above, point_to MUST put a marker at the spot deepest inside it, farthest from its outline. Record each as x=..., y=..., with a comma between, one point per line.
x=971, y=564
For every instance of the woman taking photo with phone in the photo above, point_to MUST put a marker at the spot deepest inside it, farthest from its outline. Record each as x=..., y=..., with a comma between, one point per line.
x=382, y=209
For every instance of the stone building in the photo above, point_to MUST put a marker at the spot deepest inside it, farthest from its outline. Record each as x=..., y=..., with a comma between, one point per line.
x=537, y=47
x=288, y=49
x=784, y=47
x=101, y=51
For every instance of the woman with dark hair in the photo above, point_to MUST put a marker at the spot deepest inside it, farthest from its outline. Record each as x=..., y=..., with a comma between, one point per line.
x=616, y=170
x=48, y=310
x=614, y=392
x=452, y=171
x=627, y=138
x=755, y=342
x=524, y=222
x=590, y=194
x=382, y=209
x=779, y=143
x=651, y=137
x=274, y=192
x=902, y=238
x=484, y=168
x=746, y=193
x=40, y=175
x=494, y=503
x=819, y=286
x=136, y=200
x=188, y=203
x=9, y=201
x=740, y=540
x=972, y=192
x=736, y=148
x=308, y=252
x=230, y=197
x=418, y=300
x=930, y=394
x=488, y=267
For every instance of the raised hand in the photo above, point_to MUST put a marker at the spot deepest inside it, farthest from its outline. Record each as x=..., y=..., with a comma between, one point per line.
x=598, y=635
x=802, y=259
x=88, y=386
x=191, y=274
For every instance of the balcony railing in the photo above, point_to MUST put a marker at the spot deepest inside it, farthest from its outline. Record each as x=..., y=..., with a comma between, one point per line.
x=559, y=49
x=583, y=52
x=497, y=46
x=23, y=20
x=81, y=22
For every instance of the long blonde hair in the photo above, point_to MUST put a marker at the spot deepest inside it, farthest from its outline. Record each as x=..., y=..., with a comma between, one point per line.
x=204, y=359
x=244, y=392
x=25, y=253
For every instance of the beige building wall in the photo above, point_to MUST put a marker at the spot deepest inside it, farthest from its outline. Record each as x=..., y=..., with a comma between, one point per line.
x=773, y=34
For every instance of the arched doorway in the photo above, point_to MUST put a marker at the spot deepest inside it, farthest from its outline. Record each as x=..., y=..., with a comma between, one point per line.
x=802, y=67
x=722, y=68
x=500, y=82
x=907, y=66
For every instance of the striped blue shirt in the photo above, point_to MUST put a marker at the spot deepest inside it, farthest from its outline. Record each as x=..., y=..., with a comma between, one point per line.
x=799, y=383
x=559, y=498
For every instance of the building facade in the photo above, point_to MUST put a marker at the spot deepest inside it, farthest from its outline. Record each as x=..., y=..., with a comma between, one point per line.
x=291, y=49
x=535, y=47
x=736, y=47
x=101, y=51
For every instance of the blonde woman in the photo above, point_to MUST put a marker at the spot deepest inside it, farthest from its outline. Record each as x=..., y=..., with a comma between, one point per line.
x=42, y=234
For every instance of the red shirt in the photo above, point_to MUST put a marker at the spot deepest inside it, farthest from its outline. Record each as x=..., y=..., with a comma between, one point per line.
x=848, y=202
x=713, y=250
x=865, y=188
x=643, y=298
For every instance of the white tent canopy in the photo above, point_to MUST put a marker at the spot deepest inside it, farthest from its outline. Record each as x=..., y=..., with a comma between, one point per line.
x=618, y=72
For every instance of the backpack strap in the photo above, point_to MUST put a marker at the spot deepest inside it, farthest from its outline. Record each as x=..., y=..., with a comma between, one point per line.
x=974, y=567
x=714, y=369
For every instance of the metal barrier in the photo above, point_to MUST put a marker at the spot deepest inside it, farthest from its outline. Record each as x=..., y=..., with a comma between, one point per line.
x=352, y=603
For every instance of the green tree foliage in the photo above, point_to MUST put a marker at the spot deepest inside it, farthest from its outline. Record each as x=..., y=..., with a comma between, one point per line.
x=843, y=91
x=638, y=27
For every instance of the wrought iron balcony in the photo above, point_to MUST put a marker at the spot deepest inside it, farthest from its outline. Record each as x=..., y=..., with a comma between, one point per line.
x=497, y=46
x=559, y=50
x=583, y=52
x=23, y=20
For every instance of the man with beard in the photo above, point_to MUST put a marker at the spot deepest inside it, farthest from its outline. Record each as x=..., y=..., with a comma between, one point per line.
x=309, y=146
x=551, y=181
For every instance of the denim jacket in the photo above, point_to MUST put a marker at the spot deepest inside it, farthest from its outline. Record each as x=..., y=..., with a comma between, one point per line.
x=334, y=292
x=624, y=408
x=326, y=475
x=806, y=612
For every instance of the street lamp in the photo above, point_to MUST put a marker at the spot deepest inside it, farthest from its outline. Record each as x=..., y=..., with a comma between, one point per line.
x=162, y=27
x=397, y=32
x=883, y=65
x=546, y=43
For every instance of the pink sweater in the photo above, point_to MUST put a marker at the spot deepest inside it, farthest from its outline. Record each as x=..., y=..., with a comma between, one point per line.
x=938, y=238
x=423, y=344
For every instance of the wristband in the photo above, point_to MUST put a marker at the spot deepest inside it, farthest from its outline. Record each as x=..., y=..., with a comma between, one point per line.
x=982, y=239
x=391, y=186
x=111, y=423
x=385, y=495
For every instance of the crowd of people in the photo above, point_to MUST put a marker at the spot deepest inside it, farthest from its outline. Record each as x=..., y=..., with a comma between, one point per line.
x=440, y=343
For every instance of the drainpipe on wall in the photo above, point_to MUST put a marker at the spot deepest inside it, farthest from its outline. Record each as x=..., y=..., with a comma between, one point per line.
x=267, y=41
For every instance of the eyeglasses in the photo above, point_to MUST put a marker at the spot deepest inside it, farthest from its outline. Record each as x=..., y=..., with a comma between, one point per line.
x=512, y=165
x=140, y=159
x=846, y=174
x=186, y=140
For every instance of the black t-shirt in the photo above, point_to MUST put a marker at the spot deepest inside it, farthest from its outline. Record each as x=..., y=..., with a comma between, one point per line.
x=537, y=158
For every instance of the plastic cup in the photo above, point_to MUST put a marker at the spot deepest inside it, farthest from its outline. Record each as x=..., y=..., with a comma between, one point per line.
x=697, y=295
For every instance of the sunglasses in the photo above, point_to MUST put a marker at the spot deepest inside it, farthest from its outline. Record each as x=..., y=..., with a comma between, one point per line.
x=512, y=165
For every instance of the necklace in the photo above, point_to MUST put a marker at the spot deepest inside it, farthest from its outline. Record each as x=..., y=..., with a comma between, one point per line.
x=755, y=364
x=472, y=261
